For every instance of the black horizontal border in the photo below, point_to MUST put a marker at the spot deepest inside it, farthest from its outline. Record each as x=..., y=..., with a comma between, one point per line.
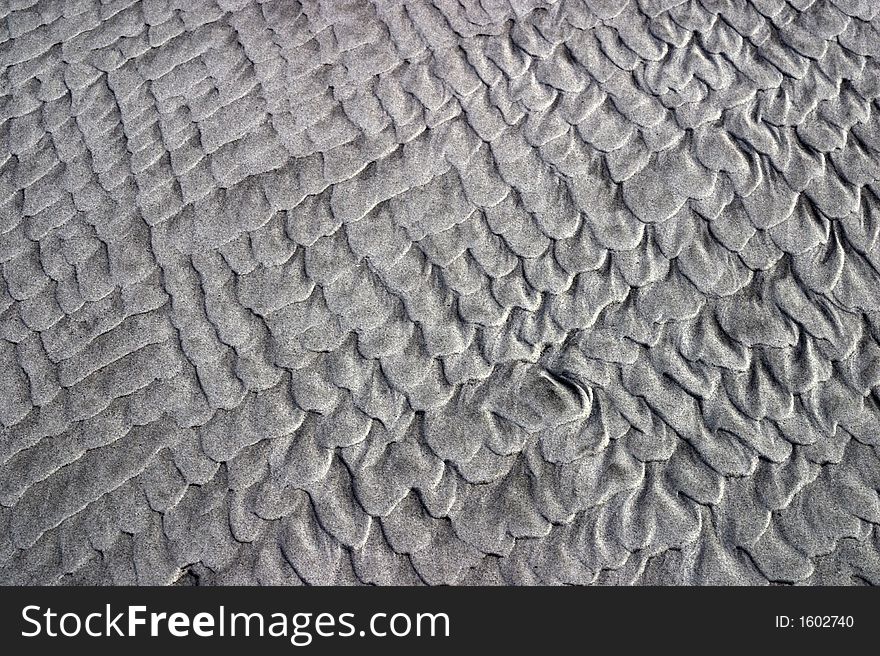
x=517, y=619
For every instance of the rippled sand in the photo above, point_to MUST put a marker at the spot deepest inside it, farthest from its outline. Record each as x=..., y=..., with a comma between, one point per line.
x=439, y=292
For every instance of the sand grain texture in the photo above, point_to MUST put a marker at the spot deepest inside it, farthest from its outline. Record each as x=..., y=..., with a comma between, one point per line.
x=439, y=292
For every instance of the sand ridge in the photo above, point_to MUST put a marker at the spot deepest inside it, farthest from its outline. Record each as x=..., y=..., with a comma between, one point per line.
x=439, y=292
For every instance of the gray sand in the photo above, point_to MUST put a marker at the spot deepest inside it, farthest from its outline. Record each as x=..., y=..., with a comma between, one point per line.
x=439, y=292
